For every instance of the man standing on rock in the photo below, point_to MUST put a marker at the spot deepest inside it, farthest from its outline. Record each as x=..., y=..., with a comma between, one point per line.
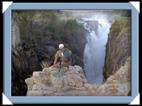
x=63, y=57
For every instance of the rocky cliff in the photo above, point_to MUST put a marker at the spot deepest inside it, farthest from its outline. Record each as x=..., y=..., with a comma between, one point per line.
x=118, y=45
x=35, y=38
x=72, y=82
x=15, y=32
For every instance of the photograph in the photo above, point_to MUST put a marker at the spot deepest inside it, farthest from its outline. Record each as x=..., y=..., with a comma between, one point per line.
x=71, y=52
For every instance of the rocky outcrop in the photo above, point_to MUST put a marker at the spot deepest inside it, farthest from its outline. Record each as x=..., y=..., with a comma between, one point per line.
x=50, y=81
x=72, y=82
x=118, y=46
x=118, y=83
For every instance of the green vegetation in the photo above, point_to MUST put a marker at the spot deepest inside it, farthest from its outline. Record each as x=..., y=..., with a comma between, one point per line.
x=36, y=25
x=121, y=22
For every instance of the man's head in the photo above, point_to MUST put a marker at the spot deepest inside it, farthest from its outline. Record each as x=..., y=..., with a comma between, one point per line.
x=61, y=46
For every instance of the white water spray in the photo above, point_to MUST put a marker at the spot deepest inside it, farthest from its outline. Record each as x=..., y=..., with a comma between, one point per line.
x=94, y=52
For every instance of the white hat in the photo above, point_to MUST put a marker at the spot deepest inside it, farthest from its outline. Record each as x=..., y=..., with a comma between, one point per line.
x=61, y=46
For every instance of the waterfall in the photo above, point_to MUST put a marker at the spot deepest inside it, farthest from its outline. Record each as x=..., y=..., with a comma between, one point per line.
x=94, y=52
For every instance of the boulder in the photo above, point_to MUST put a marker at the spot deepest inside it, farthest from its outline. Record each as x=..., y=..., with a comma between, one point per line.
x=72, y=82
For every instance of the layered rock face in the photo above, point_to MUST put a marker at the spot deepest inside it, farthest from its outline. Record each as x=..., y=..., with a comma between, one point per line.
x=53, y=81
x=118, y=46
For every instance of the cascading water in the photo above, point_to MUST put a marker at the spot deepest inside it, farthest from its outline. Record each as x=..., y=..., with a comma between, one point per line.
x=94, y=52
